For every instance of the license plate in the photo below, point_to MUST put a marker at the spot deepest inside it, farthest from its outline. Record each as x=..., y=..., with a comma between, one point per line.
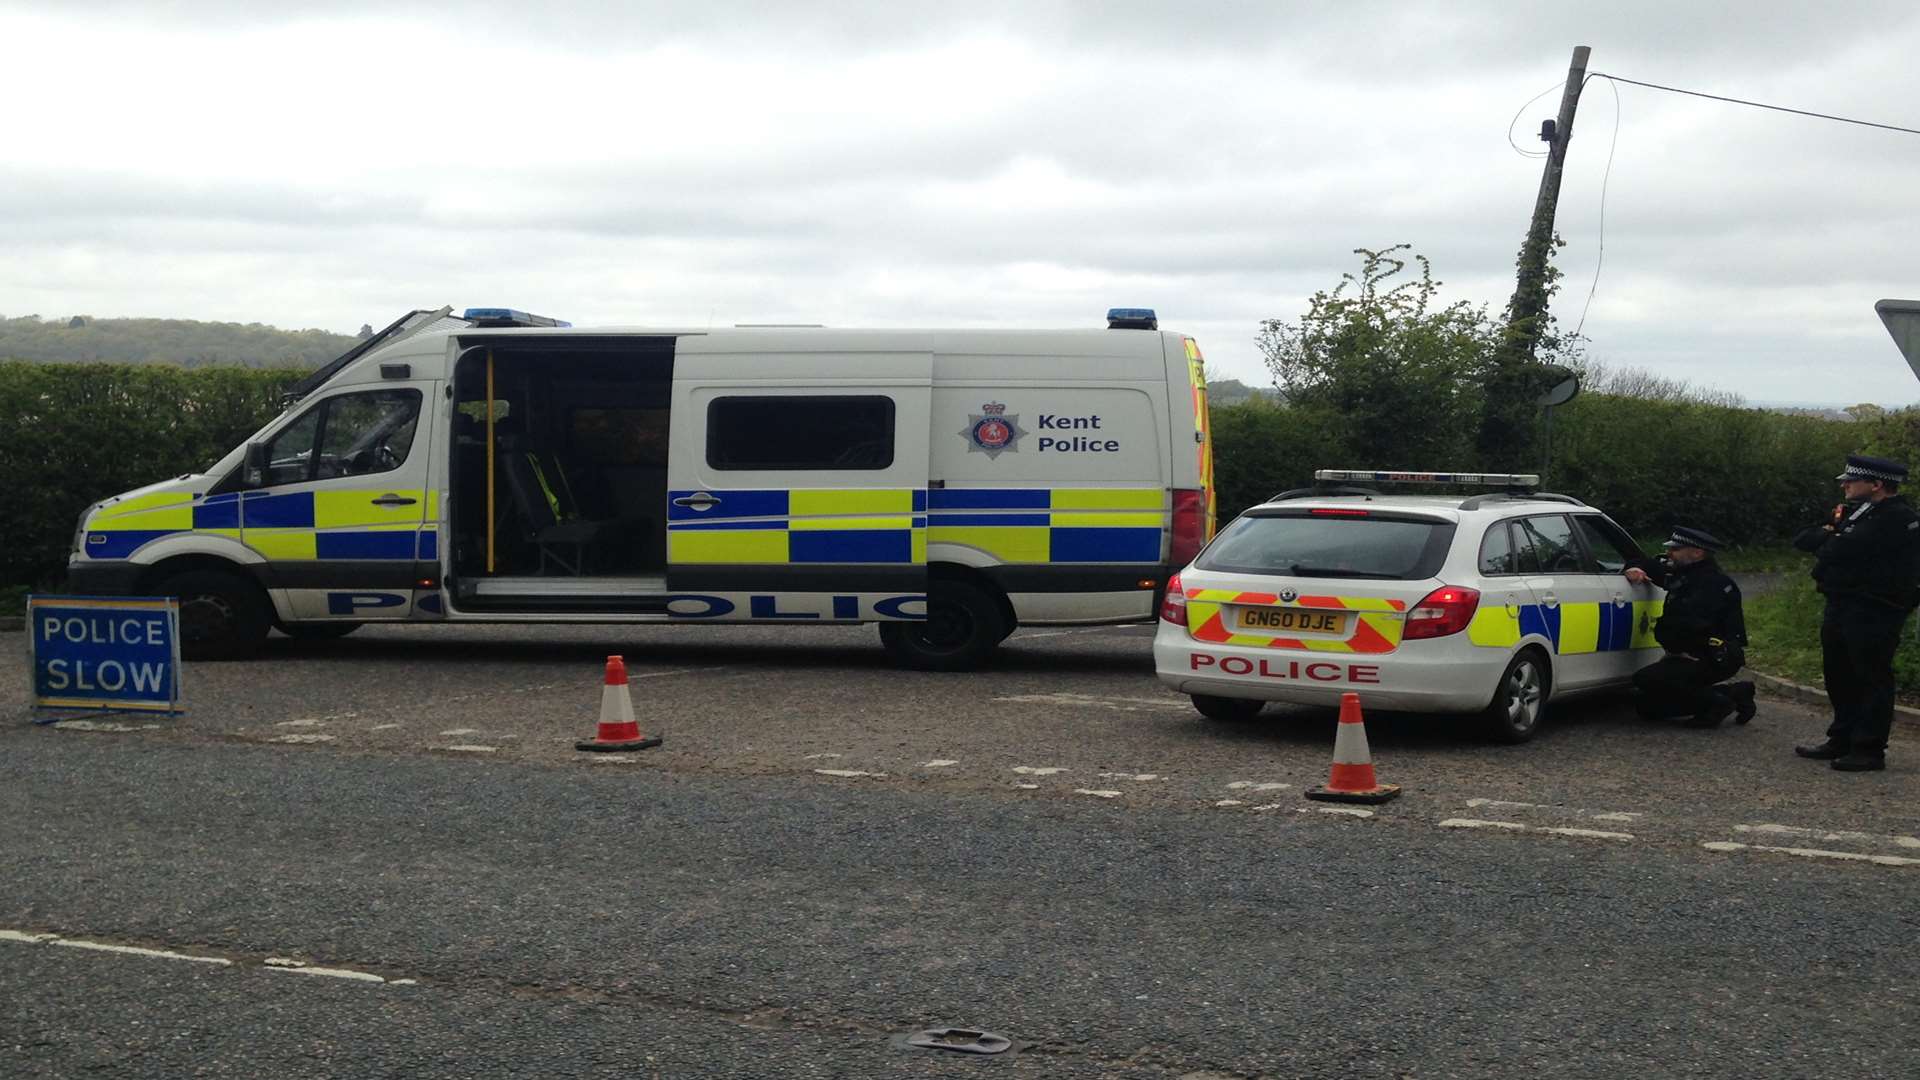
x=1293, y=620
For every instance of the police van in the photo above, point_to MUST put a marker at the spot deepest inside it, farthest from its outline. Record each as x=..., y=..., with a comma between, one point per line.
x=948, y=485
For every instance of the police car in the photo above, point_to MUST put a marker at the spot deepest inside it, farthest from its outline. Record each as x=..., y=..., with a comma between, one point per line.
x=1495, y=603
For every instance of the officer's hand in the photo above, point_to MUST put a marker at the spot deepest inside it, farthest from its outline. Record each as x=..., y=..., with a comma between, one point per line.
x=1637, y=575
x=1839, y=514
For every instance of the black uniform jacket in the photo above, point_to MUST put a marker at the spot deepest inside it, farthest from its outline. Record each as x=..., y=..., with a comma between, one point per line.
x=1702, y=615
x=1872, y=553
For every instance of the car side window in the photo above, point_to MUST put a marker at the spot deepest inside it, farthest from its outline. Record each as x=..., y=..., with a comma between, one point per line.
x=1555, y=546
x=1496, y=551
x=1612, y=548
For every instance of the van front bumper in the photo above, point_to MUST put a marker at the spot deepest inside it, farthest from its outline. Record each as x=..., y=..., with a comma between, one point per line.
x=102, y=577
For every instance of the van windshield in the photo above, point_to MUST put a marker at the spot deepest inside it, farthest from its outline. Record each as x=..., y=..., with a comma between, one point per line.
x=1302, y=544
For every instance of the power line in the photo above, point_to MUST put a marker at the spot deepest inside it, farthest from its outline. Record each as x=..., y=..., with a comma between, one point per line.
x=1600, y=257
x=1516, y=120
x=1754, y=104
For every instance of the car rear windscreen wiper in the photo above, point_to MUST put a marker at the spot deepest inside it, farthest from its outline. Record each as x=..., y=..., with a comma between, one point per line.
x=1297, y=570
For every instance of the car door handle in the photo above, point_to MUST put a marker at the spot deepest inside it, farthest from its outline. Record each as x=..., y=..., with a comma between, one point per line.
x=699, y=500
x=1550, y=599
x=390, y=499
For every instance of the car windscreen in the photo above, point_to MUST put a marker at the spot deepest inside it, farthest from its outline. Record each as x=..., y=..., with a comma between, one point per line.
x=1340, y=544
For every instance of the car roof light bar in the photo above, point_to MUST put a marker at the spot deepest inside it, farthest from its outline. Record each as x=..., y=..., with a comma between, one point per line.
x=1506, y=480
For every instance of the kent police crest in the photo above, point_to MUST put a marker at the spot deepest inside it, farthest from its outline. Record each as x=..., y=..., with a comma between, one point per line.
x=992, y=432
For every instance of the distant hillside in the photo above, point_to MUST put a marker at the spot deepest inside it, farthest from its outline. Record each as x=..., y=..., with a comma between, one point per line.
x=79, y=339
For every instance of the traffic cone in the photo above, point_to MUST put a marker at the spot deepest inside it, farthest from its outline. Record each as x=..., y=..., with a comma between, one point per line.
x=618, y=729
x=1352, y=779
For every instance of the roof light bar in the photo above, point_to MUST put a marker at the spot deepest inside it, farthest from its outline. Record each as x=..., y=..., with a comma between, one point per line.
x=1132, y=318
x=490, y=316
x=1472, y=478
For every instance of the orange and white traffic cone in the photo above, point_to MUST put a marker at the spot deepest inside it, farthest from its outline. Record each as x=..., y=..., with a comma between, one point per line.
x=1353, y=779
x=618, y=729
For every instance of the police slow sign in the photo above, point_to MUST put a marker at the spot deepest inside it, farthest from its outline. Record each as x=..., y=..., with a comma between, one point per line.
x=107, y=654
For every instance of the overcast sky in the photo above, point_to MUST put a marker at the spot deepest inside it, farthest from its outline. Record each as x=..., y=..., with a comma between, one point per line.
x=903, y=164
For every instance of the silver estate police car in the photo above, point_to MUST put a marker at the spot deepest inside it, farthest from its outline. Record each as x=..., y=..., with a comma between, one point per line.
x=1495, y=603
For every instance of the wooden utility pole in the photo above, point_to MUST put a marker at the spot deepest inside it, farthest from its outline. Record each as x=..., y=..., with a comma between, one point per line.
x=1530, y=293
x=1508, y=412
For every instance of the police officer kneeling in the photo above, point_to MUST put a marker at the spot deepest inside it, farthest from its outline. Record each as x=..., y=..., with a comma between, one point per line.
x=1867, y=562
x=1703, y=631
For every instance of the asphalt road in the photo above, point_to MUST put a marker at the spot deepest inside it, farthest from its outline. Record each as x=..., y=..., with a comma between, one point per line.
x=827, y=853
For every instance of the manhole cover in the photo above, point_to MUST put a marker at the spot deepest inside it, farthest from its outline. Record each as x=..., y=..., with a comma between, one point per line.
x=956, y=1039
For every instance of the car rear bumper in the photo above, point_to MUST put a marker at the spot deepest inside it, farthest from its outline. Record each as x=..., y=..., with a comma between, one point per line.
x=1442, y=675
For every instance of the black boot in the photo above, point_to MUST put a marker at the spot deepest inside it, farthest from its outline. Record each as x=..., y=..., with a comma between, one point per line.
x=1721, y=708
x=1860, y=761
x=1743, y=706
x=1825, y=751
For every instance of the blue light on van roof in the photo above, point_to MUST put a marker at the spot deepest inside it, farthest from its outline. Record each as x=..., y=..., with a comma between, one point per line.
x=1132, y=318
x=493, y=316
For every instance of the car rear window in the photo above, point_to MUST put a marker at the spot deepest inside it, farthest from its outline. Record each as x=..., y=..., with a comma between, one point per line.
x=1306, y=544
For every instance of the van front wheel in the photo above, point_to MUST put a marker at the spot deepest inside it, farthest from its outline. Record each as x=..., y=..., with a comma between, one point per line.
x=222, y=616
x=962, y=627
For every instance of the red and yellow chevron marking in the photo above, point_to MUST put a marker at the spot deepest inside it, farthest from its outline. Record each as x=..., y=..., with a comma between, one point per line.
x=1377, y=630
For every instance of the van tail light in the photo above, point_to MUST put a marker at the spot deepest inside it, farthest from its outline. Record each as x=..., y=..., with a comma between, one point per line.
x=1173, y=608
x=1189, y=525
x=1446, y=610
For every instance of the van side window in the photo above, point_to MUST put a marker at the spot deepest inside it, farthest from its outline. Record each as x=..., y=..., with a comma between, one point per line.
x=347, y=435
x=1496, y=551
x=840, y=432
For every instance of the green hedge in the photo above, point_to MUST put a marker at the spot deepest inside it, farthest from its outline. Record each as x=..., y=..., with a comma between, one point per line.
x=1746, y=475
x=72, y=434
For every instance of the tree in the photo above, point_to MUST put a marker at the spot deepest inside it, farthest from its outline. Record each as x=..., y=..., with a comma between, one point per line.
x=1532, y=356
x=1401, y=375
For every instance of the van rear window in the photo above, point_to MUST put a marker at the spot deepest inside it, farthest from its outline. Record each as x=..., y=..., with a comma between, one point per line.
x=1301, y=544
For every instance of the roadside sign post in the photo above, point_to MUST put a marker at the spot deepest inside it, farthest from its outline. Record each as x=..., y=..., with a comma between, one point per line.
x=1902, y=320
x=104, y=654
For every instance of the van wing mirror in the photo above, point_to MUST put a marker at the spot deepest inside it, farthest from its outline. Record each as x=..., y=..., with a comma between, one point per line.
x=254, y=471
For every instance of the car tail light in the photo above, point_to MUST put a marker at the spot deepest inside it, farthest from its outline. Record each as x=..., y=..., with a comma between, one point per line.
x=1446, y=610
x=1339, y=511
x=1189, y=525
x=1173, y=608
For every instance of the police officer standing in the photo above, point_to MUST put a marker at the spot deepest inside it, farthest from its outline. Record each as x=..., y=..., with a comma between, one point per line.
x=1867, y=562
x=1704, y=632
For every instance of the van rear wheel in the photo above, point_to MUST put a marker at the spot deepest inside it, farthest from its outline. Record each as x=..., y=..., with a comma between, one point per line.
x=222, y=616
x=962, y=628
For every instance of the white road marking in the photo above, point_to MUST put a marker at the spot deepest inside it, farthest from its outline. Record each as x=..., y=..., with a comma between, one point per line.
x=1064, y=633
x=1502, y=804
x=468, y=748
x=1230, y=802
x=1813, y=853
x=302, y=739
x=461, y=731
x=1589, y=834
x=612, y=759
x=1042, y=770
x=1129, y=776
x=1269, y=806
x=1514, y=826
x=335, y=973
x=1098, y=794
x=938, y=763
x=1347, y=811
x=404, y=982
x=25, y=939
x=1249, y=785
x=383, y=727
x=850, y=773
x=1822, y=834
x=134, y=950
x=308, y=721
x=1028, y=787
x=96, y=725
x=1624, y=818
x=1088, y=701
x=817, y=757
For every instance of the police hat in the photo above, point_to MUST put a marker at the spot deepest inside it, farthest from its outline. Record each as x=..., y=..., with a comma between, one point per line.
x=1862, y=467
x=1685, y=537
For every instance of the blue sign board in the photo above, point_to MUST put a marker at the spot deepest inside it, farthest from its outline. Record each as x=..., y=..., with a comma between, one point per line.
x=92, y=652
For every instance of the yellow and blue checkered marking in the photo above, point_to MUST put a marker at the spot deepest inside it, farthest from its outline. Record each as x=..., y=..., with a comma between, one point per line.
x=1052, y=525
x=1572, y=628
x=301, y=525
x=783, y=527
